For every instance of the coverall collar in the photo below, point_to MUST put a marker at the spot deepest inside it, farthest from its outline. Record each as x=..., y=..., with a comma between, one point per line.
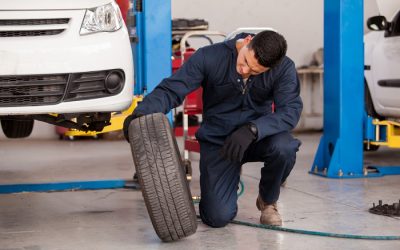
x=231, y=44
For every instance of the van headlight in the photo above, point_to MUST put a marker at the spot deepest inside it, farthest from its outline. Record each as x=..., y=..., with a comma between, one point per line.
x=106, y=18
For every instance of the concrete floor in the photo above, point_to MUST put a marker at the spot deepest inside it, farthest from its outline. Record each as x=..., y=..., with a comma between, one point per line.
x=117, y=219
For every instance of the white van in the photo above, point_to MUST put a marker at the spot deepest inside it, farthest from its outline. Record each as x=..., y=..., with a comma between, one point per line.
x=382, y=67
x=62, y=60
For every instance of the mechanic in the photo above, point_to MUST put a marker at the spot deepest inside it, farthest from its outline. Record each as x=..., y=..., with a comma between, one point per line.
x=241, y=78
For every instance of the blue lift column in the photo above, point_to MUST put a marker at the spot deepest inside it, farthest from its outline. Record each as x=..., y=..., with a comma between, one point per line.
x=340, y=152
x=153, y=47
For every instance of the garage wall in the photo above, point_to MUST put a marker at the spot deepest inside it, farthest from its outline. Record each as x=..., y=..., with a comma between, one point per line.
x=388, y=8
x=301, y=21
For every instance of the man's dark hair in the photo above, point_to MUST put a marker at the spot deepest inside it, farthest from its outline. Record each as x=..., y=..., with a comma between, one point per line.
x=269, y=48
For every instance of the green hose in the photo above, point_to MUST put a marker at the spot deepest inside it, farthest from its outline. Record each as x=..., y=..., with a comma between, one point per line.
x=300, y=231
x=315, y=233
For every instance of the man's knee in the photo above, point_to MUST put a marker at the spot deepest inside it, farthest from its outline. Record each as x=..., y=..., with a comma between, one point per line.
x=285, y=149
x=217, y=216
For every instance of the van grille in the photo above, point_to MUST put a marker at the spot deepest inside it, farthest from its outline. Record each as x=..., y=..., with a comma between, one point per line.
x=31, y=27
x=34, y=90
x=24, y=33
x=10, y=22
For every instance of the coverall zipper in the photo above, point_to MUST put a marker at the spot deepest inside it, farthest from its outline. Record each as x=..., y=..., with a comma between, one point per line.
x=245, y=85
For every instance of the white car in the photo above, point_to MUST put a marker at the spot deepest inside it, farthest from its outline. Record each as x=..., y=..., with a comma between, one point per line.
x=62, y=60
x=382, y=67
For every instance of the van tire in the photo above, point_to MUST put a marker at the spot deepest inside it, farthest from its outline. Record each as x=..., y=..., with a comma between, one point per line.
x=17, y=128
x=371, y=148
x=162, y=177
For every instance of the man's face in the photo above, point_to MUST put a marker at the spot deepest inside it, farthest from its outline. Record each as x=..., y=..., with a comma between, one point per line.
x=247, y=63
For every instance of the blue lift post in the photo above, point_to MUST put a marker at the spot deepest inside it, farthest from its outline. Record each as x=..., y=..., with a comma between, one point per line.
x=153, y=50
x=152, y=55
x=340, y=153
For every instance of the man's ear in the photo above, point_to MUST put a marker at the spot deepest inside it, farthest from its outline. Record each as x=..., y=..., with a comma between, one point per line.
x=247, y=39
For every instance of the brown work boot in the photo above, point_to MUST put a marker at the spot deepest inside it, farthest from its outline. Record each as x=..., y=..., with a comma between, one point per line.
x=269, y=213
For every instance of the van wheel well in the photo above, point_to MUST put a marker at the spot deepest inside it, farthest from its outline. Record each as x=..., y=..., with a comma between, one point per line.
x=369, y=105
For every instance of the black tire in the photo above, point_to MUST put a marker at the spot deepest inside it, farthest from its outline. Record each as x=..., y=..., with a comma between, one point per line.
x=162, y=177
x=17, y=128
x=371, y=147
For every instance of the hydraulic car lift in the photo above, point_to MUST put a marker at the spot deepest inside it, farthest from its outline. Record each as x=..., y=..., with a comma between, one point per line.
x=381, y=133
x=346, y=127
x=150, y=33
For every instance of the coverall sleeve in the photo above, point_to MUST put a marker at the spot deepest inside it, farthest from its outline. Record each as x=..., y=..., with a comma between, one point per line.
x=288, y=105
x=171, y=92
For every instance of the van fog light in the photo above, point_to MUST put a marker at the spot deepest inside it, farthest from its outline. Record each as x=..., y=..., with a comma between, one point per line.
x=114, y=82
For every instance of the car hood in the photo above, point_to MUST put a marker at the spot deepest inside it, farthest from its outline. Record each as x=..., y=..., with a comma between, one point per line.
x=50, y=4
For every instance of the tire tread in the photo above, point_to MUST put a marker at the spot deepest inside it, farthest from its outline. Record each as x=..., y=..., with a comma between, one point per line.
x=162, y=177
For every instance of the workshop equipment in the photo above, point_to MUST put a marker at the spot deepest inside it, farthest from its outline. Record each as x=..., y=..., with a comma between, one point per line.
x=117, y=121
x=346, y=127
x=382, y=133
x=193, y=104
x=386, y=209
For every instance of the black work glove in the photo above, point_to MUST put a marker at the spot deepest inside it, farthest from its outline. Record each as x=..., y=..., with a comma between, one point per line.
x=237, y=143
x=127, y=122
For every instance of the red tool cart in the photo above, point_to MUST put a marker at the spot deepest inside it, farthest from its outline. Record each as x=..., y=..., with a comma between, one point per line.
x=193, y=103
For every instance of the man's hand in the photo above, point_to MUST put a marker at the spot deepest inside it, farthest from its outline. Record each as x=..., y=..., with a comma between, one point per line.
x=127, y=122
x=237, y=143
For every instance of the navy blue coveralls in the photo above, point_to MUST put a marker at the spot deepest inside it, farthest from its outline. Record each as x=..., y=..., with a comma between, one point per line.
x=229, y=103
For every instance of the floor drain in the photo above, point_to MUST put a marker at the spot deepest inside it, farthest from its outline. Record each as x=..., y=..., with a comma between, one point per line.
x=386, y=209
